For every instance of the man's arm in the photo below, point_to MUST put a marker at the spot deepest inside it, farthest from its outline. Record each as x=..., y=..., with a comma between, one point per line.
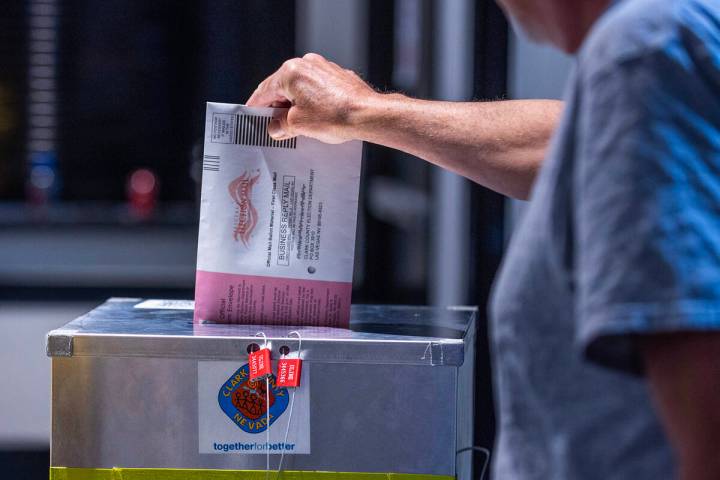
x=684, y=375
x=497, y=144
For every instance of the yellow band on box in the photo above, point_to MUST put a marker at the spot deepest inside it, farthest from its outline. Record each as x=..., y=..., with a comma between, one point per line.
x=64, y=473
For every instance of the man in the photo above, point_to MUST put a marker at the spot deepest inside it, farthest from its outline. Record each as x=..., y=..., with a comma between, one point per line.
x=607, y=308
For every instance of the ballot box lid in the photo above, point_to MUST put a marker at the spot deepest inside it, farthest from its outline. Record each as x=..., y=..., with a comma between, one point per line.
x=378, y=334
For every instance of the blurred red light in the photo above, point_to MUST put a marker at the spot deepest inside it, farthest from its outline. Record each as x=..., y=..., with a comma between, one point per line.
x=142, y=182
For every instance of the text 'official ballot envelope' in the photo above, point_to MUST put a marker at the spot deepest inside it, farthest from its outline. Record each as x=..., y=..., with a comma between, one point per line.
x=277, y=224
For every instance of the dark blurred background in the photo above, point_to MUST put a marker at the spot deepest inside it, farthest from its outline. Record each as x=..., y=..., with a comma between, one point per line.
x=101, y=127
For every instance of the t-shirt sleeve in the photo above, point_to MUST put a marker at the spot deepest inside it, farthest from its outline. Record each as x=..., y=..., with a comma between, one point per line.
x=647, y=203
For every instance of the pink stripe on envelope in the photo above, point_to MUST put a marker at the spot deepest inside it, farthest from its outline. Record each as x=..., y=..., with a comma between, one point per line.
x=259, y=300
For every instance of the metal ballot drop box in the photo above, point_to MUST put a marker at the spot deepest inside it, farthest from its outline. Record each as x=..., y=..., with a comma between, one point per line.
x=391, y=396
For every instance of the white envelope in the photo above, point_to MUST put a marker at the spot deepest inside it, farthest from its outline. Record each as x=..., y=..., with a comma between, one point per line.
x=277, y=224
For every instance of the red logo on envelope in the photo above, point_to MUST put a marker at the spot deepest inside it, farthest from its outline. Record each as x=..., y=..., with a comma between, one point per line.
x=247, y=217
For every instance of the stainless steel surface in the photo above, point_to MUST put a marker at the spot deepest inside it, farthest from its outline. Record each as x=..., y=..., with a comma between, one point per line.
x=134, y=412
x=465, y=411
x=25, y=371
x=398, y=413
x=377, y=334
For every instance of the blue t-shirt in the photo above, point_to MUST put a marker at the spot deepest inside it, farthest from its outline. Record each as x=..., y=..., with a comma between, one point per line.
x=621, y=238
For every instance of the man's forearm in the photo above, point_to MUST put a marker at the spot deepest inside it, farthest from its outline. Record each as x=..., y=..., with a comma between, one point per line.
x=497, y=144
x=500, y=145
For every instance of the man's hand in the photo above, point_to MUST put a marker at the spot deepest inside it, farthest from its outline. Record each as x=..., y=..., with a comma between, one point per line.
x=323, y=99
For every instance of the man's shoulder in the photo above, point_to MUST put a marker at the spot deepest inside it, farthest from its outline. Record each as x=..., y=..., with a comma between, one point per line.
x=633, y=29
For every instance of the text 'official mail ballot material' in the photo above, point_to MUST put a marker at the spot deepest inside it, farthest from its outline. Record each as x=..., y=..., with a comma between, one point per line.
x=277, y=224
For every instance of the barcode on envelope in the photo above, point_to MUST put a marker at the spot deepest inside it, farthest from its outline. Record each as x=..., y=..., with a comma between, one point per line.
x=252, y=130
x=243, y=129
x=211, y=163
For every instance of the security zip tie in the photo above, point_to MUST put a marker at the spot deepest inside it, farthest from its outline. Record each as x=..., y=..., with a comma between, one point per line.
x=259, y=366
x=292, y=382
x=259, y=361
x=289, y=369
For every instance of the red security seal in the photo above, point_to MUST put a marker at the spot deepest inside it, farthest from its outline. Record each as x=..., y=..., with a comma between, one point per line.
x=259, y=363
x=289, y=370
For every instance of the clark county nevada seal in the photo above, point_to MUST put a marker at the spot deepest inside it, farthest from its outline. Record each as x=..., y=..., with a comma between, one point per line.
x=245, y=401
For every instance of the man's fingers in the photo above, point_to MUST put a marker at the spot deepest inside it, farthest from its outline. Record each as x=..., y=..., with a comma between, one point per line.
x=264, y=97
x=276, y=88
x=268, y=93
x=313, y=57
x=281, y=104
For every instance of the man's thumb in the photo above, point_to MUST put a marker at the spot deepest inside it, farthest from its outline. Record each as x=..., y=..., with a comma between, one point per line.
x=278, y=128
